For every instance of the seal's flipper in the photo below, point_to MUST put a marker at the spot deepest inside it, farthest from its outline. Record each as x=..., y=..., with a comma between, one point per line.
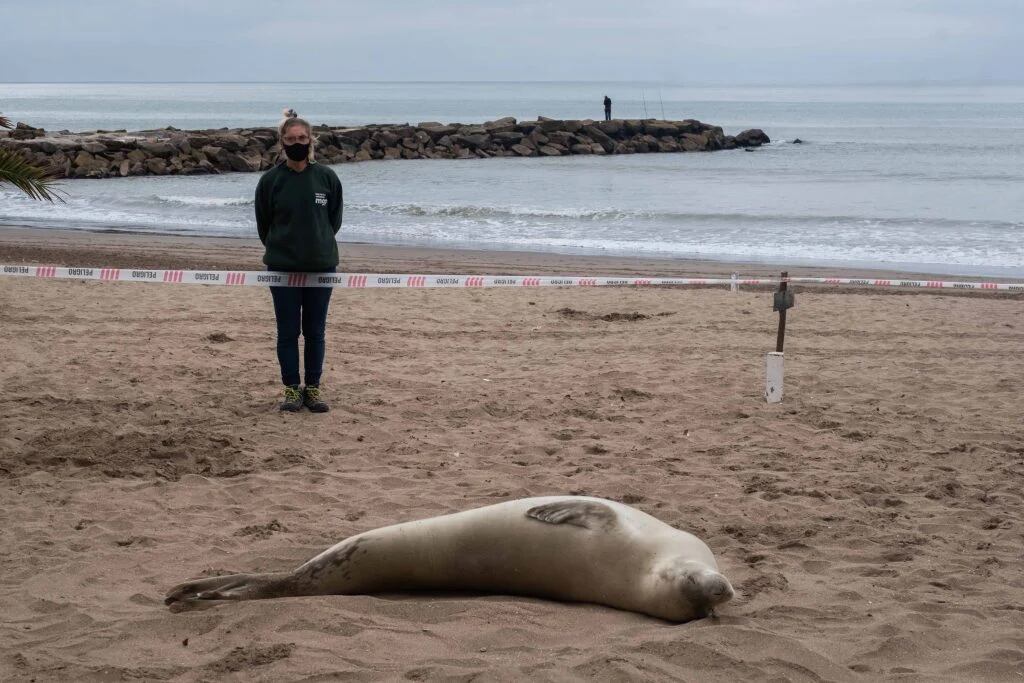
x=215, y=590
x=581, y=513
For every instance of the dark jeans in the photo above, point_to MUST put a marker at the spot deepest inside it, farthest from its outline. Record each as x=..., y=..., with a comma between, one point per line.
x=301, y=309
x=607, y=114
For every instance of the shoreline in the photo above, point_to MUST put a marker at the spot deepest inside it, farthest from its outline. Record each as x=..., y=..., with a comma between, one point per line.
x=66, y=247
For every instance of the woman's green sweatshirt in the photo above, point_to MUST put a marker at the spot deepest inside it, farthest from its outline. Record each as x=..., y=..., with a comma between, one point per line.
x=297, y=216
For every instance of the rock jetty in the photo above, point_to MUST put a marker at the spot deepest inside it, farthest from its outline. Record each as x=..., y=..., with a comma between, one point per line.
x=106, y=154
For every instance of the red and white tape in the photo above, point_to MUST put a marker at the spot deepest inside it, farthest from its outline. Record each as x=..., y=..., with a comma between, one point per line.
x=368, y=280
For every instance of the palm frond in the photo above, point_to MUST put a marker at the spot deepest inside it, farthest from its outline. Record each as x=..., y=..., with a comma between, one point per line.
x=36, y=182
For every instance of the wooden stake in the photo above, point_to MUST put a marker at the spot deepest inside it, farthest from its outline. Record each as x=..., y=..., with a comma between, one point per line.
x=782, y=316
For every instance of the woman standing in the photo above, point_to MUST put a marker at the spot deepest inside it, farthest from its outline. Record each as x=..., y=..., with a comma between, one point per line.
x=298, y=214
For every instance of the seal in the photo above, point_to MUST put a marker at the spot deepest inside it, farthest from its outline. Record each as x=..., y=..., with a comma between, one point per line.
x=569, y=548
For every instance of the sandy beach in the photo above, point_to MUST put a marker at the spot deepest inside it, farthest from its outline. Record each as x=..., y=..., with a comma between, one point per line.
x=871, y=522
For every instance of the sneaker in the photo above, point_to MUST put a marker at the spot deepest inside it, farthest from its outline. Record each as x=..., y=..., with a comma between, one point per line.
x=292, y=402
x=313, y=399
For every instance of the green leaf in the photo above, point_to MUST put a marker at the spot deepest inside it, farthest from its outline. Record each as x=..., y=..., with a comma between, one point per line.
x=36, y=182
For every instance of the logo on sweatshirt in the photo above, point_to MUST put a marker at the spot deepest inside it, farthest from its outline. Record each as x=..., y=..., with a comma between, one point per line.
x=321, y=198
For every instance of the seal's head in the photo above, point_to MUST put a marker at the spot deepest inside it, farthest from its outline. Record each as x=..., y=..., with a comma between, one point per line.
x=707, y=589
x=694, y=588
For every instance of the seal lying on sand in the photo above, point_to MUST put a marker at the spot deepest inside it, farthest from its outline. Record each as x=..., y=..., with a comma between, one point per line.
x=569, y=548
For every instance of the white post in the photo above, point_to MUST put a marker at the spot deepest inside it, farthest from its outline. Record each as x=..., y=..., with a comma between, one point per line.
x=734, y=285
x=773, y=377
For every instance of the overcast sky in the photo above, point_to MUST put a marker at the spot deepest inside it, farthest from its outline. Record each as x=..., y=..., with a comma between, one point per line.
x=680, y=41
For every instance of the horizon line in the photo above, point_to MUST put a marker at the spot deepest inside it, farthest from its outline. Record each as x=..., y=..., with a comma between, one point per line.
x=810, y=84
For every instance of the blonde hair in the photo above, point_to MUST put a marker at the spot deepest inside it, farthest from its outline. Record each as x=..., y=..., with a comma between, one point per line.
x=290, y=120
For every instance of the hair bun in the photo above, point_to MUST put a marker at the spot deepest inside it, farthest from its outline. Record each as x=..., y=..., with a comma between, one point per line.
x=290, y=113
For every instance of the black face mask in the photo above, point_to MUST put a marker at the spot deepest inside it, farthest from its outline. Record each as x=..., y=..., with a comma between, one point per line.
x=297, y=151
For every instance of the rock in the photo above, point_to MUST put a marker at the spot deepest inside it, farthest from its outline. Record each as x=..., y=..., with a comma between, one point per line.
x=392, y=153
x=633, y=127
x=549, y=125
x=660, y=129
x=44, y=146
x=324, y=139
x=508, y=138
x=84, y=159
x=237, y=162
x=157, y=149
x=232, y=143
x=181, y=144
x=523, y=150
x=125, y=168
x=505, y=125
x=692, y=126
x=600, y=137
x=754, y=137
x=362, y=155
x=156, y=166
x=137, y=155
x=597, y=149
x=549, y=151
x=115, y=145
x=798, y=141
x=94, y=147
x=611, y=128
x=582, y=149
x=474, y=141
x=692, y=143
x=351, y=136
x=538, y=137
x=436, y=131
x=561, y=137
x=23, y=131
x=213, y=153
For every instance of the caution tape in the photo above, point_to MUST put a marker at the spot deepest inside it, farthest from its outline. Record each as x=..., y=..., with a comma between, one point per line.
x=370, y=280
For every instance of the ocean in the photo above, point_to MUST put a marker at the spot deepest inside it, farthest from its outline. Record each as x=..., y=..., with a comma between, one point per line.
x=919, y=178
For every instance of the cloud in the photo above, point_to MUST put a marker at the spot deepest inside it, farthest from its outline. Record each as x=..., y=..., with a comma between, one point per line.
x=699, y=41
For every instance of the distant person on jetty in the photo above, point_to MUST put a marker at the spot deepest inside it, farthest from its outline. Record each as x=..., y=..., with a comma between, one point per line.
x=607, y=108
x=298, y=214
